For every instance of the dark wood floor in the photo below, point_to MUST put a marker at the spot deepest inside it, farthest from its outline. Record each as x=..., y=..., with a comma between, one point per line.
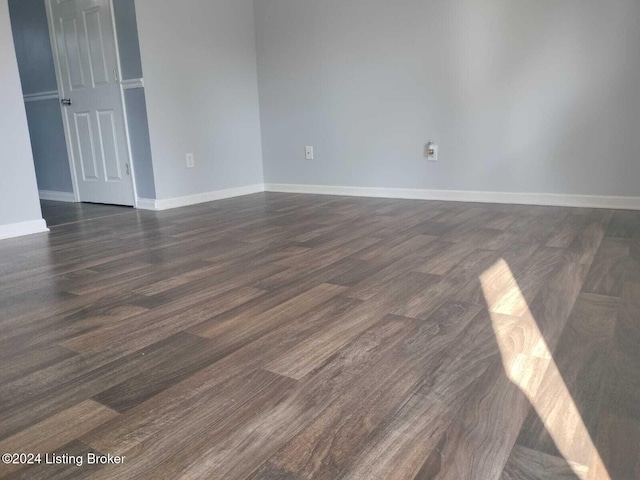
x=61, y=213
x=282, y=336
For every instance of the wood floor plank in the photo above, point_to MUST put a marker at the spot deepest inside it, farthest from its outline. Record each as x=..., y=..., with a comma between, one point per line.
x=571, y=396
x=45, y=393
x=177, y=447
x=618, y=443
x=61, y=471
x=326, y=447
x=567, y=232
x=260, y=440
x=623, y=385
x=391, y=250
x=244, y=327
x=30, y=362
x=624, y=224
x=423, y=302
x=316, y=349
x=197, y=355
x=588, y=240
x=519, y=359
x=551, y=308
x=237, y=446
x=447, y=258
x=151, y=417
x=393, y=451
x=527, y=464
x=67, y=425
x=607, y=273
x=150, y=329
x=519, y=287
x=493, y=415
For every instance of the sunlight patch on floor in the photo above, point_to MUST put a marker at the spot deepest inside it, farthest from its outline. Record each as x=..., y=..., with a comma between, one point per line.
x=529, y=364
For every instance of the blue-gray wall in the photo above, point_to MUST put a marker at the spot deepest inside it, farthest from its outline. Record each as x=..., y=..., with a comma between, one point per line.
x=140, y=143
x=49, y=148
x=37, y=74
x=129, y=47
x=124, y=12
x=521, y=96
x=33, y=47
x=199, y=61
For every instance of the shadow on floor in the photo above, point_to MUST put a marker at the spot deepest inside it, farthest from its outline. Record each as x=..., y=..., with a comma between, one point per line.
x=62, y=213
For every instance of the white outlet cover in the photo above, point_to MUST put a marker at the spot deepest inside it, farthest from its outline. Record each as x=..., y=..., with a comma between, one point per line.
x=432, y=157
x=308, y=153
x=191, y=163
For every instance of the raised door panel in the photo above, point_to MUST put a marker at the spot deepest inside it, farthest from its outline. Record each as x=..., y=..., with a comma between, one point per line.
x=109, y=145
x=98, y=65
x=85, y=150
x=70, y=54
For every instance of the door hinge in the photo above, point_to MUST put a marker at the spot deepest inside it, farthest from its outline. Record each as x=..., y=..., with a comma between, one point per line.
x=115, y=75
x=126, y=168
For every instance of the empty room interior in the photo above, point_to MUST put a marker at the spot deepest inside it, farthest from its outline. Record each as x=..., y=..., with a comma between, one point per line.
x=320, y=239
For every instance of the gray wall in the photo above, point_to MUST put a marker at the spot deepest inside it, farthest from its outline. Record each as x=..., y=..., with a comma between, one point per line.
x=199, y=64
x=140, y=144
x=18, y=191
x=124, y=11
x=33, y=46
x=129, y=49
x=37, y=73
x=521, y=95
x=50, y=154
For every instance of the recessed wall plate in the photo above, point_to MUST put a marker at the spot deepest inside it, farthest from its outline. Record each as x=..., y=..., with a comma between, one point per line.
x=308, y=153
x=431, y=152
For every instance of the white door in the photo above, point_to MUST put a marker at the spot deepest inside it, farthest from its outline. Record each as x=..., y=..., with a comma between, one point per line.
x=92, y=105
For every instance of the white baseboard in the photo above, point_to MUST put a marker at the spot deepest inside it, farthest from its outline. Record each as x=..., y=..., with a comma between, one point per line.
x=146, y=204
x=177, y=202
x=57, y=196
x=23, y=228
x=546, y=199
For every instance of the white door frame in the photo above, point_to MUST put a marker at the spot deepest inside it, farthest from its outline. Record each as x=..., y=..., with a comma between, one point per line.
x=65, y=120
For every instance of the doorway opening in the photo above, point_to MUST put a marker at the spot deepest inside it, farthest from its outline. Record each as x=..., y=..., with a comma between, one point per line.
x=81, y=74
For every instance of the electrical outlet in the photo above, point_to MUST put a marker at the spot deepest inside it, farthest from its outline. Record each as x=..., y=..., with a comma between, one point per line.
x=308, y=153
x=431, y=152
x=191, y=162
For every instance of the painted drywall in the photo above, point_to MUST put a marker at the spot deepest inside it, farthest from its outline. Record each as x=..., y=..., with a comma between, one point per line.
x=18, y=189
x=124, y=12
x=199, y=63
x=521, y=96
x=140, y=144
x=37, y=74
x=33, y=46
x=50, y=155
